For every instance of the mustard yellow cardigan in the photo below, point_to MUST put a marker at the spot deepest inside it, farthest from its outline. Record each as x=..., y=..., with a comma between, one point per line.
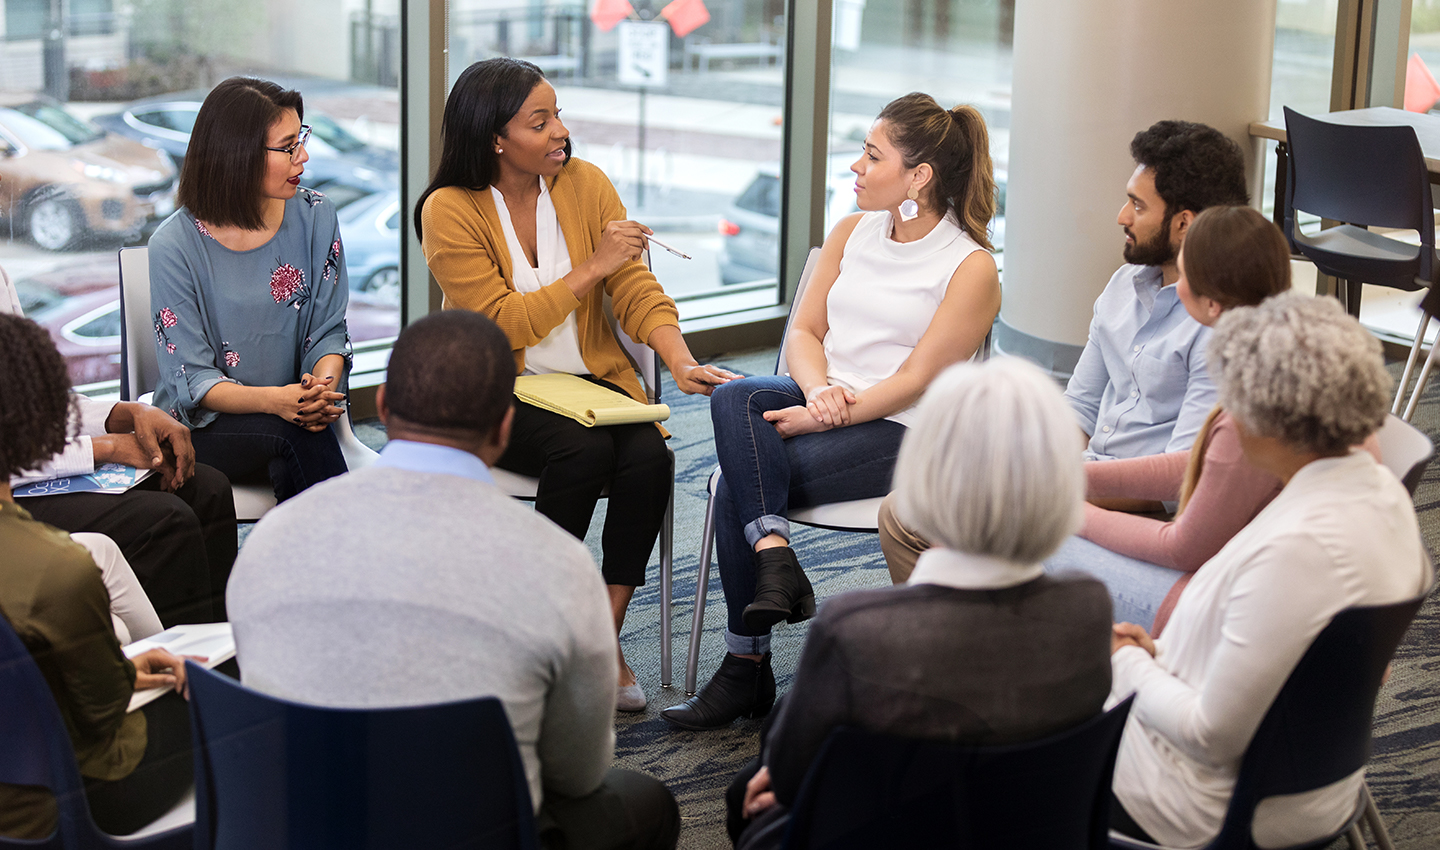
x=465, y=248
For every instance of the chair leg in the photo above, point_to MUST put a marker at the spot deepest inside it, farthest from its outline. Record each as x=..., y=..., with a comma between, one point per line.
x=1410, y=361
x=667, y=561
x=1352, y=297
x=702, y=584
x=1420, y=383
x=1377, y=826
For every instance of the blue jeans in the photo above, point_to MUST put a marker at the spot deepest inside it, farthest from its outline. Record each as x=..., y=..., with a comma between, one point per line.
x=1136, y=587
x=243, y=445
x=764, y=475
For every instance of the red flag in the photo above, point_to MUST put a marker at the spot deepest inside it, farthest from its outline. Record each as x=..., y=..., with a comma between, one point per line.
x=686, y=16
x=607, y=13
x=1421, y=90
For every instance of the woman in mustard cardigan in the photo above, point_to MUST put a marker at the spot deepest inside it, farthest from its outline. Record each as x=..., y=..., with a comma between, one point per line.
x=513, y=228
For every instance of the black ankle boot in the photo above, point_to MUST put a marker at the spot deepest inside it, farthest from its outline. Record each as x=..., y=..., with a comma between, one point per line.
x=782, y=592
x=740, y=688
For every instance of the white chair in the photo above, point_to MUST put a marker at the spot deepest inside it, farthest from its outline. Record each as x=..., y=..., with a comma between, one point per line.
x=1404, y=450
x=647, y=364
x=1429, y=306
x=856, y=515
x=139, y=372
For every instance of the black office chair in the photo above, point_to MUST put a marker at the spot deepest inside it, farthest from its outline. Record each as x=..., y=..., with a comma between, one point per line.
x=277, y=774
x=1318, y=729
x=1365, y=177
x=867, y=790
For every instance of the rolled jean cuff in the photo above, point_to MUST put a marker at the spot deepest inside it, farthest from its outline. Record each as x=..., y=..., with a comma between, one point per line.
x=746, y=644
x=765, y=526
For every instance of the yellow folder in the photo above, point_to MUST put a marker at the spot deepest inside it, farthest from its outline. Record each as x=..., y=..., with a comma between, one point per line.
x=587, y=403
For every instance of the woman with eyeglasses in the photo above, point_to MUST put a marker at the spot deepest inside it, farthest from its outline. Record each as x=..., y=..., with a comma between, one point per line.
x=248, y=291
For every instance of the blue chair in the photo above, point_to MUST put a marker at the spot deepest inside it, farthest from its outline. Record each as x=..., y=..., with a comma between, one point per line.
x=35, y=749
x=277, y=774
x=1364, y=176
x=1318, y=729
x=867, y=790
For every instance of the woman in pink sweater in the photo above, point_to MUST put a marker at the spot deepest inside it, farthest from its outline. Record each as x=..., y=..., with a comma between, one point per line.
x=1232, y=257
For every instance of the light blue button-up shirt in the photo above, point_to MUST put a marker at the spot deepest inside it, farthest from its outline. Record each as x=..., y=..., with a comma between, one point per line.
x=430, y=457
x=1141, y=386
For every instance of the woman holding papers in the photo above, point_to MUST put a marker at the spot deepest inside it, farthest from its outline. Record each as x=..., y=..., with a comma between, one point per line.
x=135, y=766
x=514, y=228
x=899, y=293
x=248, y=293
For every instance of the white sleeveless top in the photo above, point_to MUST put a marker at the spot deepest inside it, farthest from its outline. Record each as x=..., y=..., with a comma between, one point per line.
x=559, y=351
x=884, y=298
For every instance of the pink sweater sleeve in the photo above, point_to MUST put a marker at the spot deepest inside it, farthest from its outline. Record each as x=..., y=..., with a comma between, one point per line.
x=1229, y=493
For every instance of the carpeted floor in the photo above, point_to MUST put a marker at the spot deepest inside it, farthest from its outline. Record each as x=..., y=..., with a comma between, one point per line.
x=1404, y=772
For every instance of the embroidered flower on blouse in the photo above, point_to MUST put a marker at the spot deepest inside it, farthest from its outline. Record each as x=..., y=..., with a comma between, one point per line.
x=204, y=231
x=307, y=346
x=165, y=319
x=174, y=414
x=232, y=359
x=285, y=283
x=332, y=262
x=313, y=197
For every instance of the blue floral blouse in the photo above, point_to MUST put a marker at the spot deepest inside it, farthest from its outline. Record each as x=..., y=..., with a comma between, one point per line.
x=261, y=317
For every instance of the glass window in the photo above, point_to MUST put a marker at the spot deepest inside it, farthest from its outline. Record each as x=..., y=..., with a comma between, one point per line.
x=686, y=155
x=1300, y=75
x=83, y=177
x=954, y=50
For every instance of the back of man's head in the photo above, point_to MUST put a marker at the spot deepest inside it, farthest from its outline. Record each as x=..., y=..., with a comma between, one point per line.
x=450, y=372
x=1195, y=165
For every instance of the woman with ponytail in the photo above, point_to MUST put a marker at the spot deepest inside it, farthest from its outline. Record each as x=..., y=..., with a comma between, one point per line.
x=1232, y=257
x=900, y=291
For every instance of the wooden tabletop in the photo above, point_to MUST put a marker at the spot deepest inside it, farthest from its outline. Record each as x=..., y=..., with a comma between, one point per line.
x=1427, y=127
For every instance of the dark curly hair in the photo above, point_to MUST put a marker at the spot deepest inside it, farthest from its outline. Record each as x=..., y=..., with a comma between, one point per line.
x=1195, y=165
x=35, y=405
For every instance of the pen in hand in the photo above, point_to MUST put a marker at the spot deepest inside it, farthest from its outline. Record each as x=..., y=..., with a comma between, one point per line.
x=674, y=251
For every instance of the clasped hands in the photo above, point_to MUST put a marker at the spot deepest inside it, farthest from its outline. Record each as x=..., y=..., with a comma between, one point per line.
x=147, y=438
x=1129, y=634
x=315, y=405
x=825, y=407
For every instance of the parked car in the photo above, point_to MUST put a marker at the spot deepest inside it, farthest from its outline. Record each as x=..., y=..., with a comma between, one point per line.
x=336, y=154
x=370, y=229
x=64, y=180
x=750, y=249
x=79, y=305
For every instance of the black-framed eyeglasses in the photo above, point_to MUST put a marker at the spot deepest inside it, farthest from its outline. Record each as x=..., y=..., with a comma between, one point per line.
x=294, y=149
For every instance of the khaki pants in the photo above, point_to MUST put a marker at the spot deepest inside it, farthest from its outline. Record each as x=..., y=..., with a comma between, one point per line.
x=902, y=547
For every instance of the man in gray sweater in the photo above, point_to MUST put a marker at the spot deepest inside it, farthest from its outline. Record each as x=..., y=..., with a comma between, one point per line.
x=418, y=581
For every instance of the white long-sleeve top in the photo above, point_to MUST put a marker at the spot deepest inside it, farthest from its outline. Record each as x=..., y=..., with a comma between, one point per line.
x=78, y=457
x=1342, y=533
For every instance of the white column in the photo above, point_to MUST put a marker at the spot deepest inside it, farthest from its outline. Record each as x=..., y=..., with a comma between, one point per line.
x=1089, y=75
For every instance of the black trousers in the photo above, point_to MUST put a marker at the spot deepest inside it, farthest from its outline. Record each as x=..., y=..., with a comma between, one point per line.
x=630, y=811
x=181, y=545
x=245, y=445
x=122, y=806
x=575, y=463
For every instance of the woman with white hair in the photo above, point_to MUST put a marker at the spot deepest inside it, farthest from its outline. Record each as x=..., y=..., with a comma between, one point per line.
x=1006, y=653
x=1304, y=384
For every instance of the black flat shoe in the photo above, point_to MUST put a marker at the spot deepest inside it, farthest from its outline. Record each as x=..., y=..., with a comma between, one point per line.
x=740, y=688
x=782, y=591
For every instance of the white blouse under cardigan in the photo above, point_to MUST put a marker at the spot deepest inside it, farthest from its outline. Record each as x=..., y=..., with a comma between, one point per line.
x=559, y=351
x=1342, y=533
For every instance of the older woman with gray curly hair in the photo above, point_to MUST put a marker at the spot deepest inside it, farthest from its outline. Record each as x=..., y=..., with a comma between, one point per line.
x=1304, y=383
x=981, y=646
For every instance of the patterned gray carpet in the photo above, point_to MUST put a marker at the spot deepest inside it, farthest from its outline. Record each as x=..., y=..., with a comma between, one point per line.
x=1404, y=772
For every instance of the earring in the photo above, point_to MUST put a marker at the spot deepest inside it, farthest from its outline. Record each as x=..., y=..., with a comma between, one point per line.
x=909, y=209
x=499, y=150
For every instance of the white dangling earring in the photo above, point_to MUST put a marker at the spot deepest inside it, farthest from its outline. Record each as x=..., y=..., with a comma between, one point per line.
x=909, y=209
